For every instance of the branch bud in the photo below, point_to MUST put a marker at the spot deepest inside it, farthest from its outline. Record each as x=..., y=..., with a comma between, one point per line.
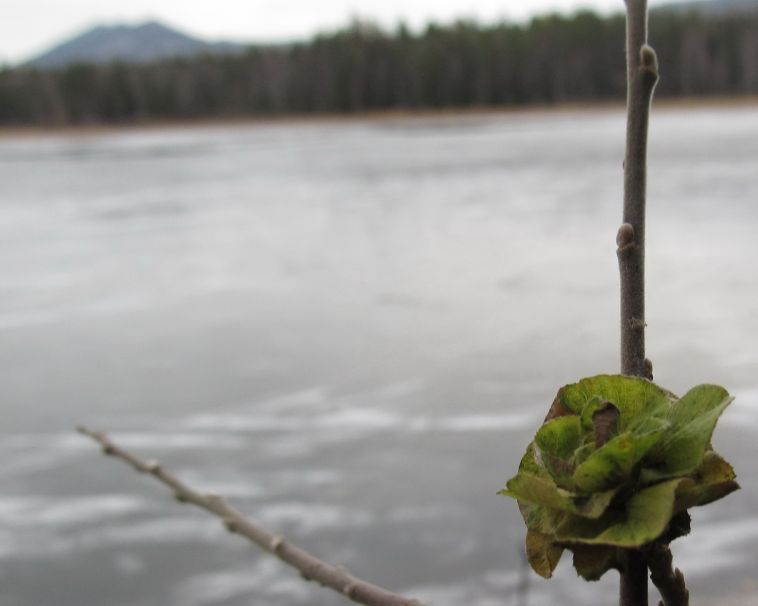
x=276, y=544
x=648, y=58
x=648, y=67
x=230, y=524
x=625, y=236
x=349, y=590
x=648, y=369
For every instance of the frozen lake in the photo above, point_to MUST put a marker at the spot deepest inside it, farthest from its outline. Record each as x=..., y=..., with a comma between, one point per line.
x=351, y=329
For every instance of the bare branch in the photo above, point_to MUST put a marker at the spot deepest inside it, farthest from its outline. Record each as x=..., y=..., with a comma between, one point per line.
x=310, y=567
x=633, y=579
x=669, y=581
x=642, y=76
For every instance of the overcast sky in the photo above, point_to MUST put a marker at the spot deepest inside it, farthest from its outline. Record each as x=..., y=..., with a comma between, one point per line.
x=30, y=26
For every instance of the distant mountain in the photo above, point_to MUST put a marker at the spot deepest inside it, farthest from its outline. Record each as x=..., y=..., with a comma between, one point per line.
x=711, y=7
x=129, y=43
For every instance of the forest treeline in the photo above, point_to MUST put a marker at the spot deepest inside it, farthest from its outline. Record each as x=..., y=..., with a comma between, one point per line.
x=551, y=59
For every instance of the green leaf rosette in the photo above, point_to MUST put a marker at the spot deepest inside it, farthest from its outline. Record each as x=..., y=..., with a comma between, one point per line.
x=616, y=464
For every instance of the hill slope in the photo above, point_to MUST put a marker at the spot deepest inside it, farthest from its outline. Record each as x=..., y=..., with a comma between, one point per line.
x=132, y=44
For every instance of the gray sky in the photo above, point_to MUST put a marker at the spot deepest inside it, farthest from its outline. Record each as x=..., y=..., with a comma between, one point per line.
x=30, y=26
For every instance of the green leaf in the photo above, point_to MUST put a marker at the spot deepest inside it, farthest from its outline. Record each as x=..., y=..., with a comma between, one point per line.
x=560, y=437
x=608, y=466
x=583, y=453
x=614, y=463
x=589, y=409
x=695, y=403
x=557, y=440
x=543, y=491
x=593, y=561
x=645, y=517
x=631, y=395
x=714, y=479
x=681, y=451
x=530, y=465
x=651, y=424
x=541, y=519
x=542, y=553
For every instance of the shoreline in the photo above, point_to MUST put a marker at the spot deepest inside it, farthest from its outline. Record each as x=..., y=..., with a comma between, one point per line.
x=378, y=116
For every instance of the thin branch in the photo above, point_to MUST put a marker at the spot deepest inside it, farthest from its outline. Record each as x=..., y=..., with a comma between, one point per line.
x=633, y=579
x=310, y=567
x=642, y=76
x=669, y=581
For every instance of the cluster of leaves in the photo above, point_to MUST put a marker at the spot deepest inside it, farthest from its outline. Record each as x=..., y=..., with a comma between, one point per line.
x=616, y=464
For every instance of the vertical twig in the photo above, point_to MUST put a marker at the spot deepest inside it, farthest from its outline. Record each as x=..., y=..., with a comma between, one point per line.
x=642, y=76
x=633, y=590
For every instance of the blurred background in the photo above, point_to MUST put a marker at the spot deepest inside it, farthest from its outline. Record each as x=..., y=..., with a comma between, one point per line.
x=333, y=261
